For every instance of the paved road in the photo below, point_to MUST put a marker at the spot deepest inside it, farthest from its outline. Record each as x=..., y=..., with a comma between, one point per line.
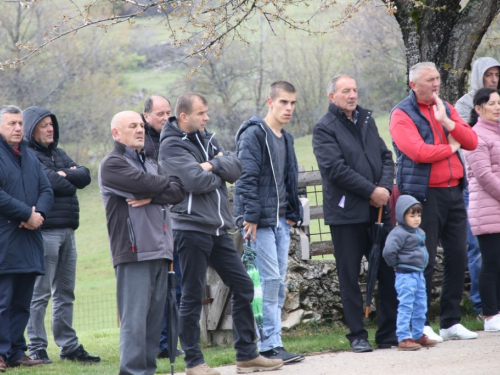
x=465, y=357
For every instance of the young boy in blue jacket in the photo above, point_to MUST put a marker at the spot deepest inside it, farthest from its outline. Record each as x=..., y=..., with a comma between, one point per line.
x=405, y=251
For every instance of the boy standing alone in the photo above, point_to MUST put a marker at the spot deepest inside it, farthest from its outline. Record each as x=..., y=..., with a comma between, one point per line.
x=405, y=251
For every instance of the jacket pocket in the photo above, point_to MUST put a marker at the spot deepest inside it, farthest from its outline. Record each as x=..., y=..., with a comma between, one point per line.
x=131, y=234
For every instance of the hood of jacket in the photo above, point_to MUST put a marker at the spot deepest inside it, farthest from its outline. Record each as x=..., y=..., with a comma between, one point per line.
x=31, y=117
x=480, y=66
x=254, y=121
x=402, y=205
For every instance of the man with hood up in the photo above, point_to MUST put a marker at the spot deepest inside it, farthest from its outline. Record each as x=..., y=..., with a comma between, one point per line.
x=200, y=223
x=485, y=73
x=41, y=130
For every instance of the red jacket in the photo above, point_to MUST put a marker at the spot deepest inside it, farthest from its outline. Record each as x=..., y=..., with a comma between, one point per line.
x=446, y=168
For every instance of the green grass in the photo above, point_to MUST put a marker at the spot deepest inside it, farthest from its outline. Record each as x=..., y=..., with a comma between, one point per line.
x=307, y=339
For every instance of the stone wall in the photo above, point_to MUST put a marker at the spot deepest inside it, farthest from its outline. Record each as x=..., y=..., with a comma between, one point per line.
x=313, y=289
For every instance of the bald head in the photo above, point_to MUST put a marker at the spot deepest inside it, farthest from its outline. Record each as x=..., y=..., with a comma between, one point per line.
x=127, y=127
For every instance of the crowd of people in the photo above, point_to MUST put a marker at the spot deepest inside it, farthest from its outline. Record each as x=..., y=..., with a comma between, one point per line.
x=164, y=190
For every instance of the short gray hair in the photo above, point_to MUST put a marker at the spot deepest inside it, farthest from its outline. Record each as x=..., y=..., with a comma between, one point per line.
x=416, y=70
x=148, y=104
x=9, y=108
x=332, y=86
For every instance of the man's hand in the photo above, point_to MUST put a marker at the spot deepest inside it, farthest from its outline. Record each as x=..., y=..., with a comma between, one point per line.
x=379, y=197
x=207, y=166
x=291, y=223
x=453, y=143
x=35, y=221
x=138, y=202
x=62, y=173
x=440, y=114
x=251, y=229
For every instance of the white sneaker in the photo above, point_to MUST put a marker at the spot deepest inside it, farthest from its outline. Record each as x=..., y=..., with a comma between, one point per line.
x=431, y=335
x=457, y=332
x=493, y=324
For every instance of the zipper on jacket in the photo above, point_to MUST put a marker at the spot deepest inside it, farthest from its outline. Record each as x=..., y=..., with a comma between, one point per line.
x=422, y=242
x=274, y=176
x=131, y=234
x=190, y=202
x=216, y=190
x=439, y=135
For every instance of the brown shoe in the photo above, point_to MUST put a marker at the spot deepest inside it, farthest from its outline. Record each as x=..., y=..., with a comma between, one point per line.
x=259, y=363
x=25, y=361
x=426, y=342
x=3, y=366
x=408, y=345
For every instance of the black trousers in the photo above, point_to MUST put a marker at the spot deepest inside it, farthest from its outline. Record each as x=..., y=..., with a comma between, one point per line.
x=444, y=219
x=489, y=278
x=351, y=242
x=16, y=291
x=197, y=250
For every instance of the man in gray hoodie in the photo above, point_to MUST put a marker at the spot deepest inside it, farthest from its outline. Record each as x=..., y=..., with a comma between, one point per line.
x=485, y=73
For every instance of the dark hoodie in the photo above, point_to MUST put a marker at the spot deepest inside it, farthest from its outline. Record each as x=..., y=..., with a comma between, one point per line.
x=405, y=246
x=206, y=207
x=65, y=211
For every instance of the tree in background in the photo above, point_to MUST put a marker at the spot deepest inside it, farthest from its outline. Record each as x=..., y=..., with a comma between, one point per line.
x=77, y=80
x=447, y=32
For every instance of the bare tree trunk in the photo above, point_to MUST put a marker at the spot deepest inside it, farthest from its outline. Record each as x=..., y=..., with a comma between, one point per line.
x=446, y=34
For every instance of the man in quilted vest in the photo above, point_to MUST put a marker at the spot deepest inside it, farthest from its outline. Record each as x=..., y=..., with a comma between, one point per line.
x=427, y=133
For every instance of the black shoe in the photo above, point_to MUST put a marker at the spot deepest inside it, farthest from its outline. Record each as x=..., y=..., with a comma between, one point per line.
x=281, y=353
x=80, y=355
x=40, y=354
x=163, y=354
x=361, y=346
x=389, y=343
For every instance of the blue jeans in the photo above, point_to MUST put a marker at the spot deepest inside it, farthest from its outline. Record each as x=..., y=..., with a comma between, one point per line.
x=412, y=306
x=474, y=262
x=178, y=294
x=58, y=283
x=272, y=246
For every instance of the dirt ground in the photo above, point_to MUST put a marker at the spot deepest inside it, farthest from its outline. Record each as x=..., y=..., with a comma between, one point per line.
x=465, y=357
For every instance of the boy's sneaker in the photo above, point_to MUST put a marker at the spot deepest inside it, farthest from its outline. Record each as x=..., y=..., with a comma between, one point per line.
x=81, y=355
x=457, y=332
x=492, y=325
x=431, y=335
x=426, y=342
x=281, y=353
x=259, y=363
x=40, y=354
x=202, y=369
x=408, y=345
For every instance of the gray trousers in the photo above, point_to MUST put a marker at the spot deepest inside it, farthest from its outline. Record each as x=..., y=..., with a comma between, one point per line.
x=58, y=282
x=141, y=290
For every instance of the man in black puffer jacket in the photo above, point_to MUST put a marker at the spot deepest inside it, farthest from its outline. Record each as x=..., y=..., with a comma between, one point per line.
x=65, y=176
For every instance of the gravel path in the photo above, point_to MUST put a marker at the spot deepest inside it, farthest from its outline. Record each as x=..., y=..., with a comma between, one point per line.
x=465, y=357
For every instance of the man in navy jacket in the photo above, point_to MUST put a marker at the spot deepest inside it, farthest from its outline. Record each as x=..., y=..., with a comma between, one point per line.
x=25, y=201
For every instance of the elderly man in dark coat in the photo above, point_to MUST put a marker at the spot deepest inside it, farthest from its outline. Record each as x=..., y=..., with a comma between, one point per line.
x=25, y=201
